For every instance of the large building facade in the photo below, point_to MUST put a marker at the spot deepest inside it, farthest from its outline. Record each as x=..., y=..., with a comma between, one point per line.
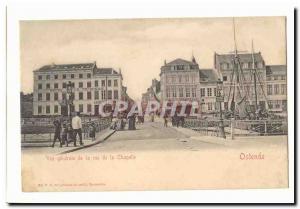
x=90, y=86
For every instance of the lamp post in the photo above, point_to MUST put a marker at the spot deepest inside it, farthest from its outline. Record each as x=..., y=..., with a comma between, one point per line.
x=220, y=99
x=70, y=98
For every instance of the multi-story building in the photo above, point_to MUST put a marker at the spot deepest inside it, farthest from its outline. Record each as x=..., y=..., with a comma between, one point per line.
x=152, y=92
x=208, y=90
x=180, y=80
x=224, y=64
x=277, y=88
x=90, y=85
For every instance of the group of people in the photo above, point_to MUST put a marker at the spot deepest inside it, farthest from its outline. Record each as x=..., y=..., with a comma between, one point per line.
x=176, y=120
x=66, y=133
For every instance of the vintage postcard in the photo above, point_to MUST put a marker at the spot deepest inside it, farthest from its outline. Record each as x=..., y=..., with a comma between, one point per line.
x=154, y=104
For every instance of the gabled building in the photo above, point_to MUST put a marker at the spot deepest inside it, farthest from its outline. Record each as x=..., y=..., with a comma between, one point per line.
x=224, y=65
x=179, y=80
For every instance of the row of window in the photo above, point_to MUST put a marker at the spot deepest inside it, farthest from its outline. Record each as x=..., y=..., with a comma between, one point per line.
x=275, y=104
x=180, y=92
x=276, y=78
x=180, y=79
x=64, y=76
x=276, y=89
x=244, y=65
x=80, y=96
x=208, y=92
x=80, y=84
x=56, y=108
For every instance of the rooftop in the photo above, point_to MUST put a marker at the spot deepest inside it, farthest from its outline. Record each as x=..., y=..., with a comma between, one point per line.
x=180, y=61
x=80, y=66
x=208, y=75
x=244, y=57
x=104, y=71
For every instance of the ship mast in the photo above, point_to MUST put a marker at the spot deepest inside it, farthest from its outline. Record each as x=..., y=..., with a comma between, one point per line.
x=254, y=74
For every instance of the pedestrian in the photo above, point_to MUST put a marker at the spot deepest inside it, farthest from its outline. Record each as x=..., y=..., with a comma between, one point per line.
x=92, y=131
x=166, y=121
x=77, y=128
x=57, y=127
x=64, y=134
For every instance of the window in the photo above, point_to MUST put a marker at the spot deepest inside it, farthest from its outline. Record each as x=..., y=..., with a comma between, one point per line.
x=64, y=85
x=89, y=84
x=81, y=108
x=202, y=92
x=80, y=95
x=180, y=92
x=276, y=89
x=116, y=95
x=284, y=105
x=224, y=66
x=209, y=106
x=80, y=84
x=103, y=83
x=96, y=83
x=56, y=85
x=48, y=109
x=168, y=93
x=194, y=92
x=72, y=76
x=215, y=92
x=55, y=76
x=226, y=105
x=40, y=97
x=103, y=95
x=80, y=75
x=109, y=83
x=109, y=94
x=187, y=92
x=187, y=78
x=88, y=75
x=40, y=77
x=115, y=83
x=39, y=109
x=89, y=95
x=48, y=86
x=64, y=76
x=209, y=92
x=193, y=79
x=224, y=78
x=283, y=77
x=173, y=79
x=275, y=77
x=283, y=89
x=64, y=96
x=269, y=89
x=55, y=96
x=55, y=108
x=89, y=108
x=40, y=86
x=174, y=92
x=270, y=104
x=96, y=95
x=260, y=65
x=245, y=65
x=47, y=96
x=47, y=77
x=179, y=78
x=277, y=103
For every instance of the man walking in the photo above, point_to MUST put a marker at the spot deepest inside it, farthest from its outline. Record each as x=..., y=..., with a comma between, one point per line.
x=77, y=126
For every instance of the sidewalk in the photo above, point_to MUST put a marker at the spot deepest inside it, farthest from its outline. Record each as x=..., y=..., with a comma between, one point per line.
x=100, y=137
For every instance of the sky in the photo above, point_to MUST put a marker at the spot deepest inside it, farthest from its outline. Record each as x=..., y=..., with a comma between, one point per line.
x=139, y=46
